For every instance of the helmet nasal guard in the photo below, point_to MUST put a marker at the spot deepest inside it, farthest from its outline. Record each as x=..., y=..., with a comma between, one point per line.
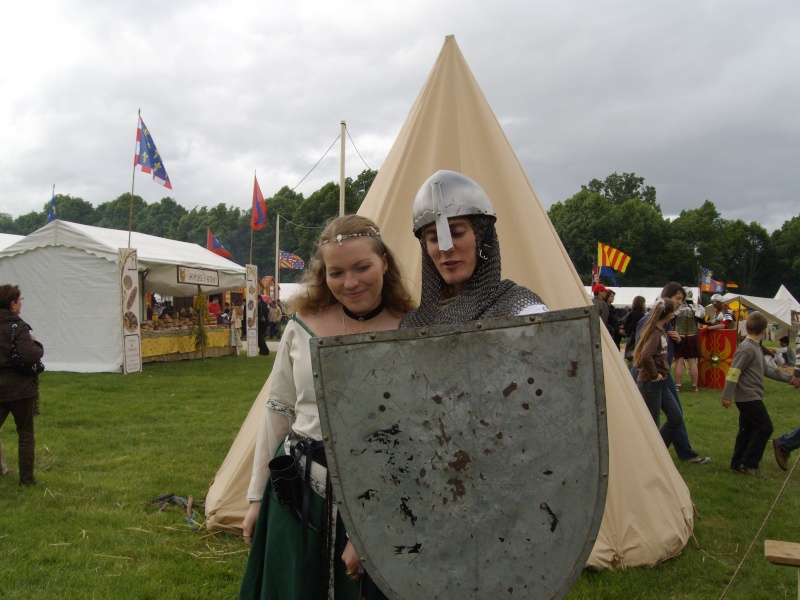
x=447, y=194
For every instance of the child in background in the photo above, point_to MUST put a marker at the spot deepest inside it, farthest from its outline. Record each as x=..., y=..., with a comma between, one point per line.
x=745, y=385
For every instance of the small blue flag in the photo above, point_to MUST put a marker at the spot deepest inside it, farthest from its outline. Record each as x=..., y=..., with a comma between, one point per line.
x=51, y=214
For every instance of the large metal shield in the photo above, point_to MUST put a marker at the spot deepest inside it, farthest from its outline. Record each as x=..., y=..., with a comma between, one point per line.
x=469, y=460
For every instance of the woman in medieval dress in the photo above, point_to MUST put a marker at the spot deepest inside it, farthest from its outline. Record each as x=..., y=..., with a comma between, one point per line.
x=353, y=285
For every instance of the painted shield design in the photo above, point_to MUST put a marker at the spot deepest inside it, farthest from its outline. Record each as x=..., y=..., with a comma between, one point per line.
x=469, y=460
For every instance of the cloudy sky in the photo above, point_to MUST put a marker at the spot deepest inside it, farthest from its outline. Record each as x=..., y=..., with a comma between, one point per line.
x=700, y=98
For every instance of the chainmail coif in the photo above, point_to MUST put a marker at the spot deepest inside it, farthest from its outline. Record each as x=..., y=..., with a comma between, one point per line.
x=485, y=296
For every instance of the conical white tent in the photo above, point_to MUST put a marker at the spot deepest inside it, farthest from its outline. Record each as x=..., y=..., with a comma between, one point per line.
x=648, y=516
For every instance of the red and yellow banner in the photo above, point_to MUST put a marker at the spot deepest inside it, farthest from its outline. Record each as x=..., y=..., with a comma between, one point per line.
x=611, y=257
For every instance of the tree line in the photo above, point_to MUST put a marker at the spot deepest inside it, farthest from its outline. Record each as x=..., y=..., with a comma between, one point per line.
x=301, y=220
x=620, y=211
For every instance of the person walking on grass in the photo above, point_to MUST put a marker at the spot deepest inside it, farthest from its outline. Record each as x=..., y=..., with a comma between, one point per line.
x=744, y=385
x=784, y=444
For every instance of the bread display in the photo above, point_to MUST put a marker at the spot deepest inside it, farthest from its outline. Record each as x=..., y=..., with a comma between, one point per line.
x=130, y=322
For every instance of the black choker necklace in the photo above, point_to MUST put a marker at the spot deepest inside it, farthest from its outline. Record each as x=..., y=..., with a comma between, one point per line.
x=370, y=315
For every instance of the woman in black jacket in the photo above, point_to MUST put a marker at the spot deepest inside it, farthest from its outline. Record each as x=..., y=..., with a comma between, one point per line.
x=19, y=392
x=629, y=324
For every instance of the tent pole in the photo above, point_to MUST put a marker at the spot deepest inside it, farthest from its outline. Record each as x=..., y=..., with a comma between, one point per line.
x=251, y=224
x=133, y=180
x=277, y=251
x=341, y=171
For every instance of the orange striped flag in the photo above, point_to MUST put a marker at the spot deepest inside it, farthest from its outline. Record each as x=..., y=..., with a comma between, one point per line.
x=611, y=257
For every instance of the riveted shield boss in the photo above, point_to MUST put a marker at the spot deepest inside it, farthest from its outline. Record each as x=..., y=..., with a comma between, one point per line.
x=468, y=460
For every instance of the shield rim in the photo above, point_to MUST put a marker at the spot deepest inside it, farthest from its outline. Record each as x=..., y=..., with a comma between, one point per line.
x=589, y=313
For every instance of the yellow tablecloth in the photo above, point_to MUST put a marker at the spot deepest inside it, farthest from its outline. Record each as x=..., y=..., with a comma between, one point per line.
x=181, y=342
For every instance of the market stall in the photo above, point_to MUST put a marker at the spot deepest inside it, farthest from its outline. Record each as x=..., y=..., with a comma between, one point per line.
x=70, y=277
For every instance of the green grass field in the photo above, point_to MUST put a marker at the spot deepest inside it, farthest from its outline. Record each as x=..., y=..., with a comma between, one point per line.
x=107, y=443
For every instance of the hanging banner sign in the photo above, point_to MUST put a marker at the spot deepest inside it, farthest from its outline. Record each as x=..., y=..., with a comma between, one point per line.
x=194, y=276
x=129, y=302
x=251, y=309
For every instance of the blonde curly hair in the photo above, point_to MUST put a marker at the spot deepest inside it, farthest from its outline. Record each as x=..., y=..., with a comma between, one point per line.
x=317, y=295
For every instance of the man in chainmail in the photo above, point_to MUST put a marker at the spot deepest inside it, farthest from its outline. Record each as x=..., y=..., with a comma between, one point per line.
x=446, y=201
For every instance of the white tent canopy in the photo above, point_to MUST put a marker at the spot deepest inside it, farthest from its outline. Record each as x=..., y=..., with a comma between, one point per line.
x=69, y=274
x=776, y=310
x=6, y=239
x=648, y=516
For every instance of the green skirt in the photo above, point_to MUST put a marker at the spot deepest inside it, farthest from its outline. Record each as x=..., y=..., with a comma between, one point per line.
x=274, y=568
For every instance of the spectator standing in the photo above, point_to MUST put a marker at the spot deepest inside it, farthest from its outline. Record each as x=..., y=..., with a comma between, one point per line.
x=599, y=300
x=275, y=316
x=688, y=351
x=744, y=384
x=629, y=325
x=614, y=325
x=683, y=447
x=19, y=392
x=263, y=324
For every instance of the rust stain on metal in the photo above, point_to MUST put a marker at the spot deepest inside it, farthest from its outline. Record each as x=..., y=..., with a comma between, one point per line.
x=422, y=473
x=509, y=389
x=573, y=369
x=525, y=405
x=458, y=490
x=499, y=435
x=483, y=422
x=437, y=398
x=462, y=460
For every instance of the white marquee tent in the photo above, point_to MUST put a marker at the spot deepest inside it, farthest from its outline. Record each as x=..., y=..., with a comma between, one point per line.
x=69, y=276
x=6, y=239
x=648, y=516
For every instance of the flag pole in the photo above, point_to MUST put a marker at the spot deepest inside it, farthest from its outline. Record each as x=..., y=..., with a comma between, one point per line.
x=252, y=203
x=277, y=251
x=133, y=180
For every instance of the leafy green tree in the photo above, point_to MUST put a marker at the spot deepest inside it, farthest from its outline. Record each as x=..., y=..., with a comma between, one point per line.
x=786, y=242
x=748, y=253
x=115, y=214
x=621, y=188
x=30, y=222
x=7, y=223
x=582, y=221
x=74, y=210
x=697, y=240
x=161, y=218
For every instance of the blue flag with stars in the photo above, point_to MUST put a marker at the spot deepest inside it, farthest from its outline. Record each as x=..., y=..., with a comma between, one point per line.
x=148, y=160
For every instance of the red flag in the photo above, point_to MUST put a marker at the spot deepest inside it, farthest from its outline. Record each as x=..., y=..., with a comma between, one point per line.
x=258, y=214
x=214, y=245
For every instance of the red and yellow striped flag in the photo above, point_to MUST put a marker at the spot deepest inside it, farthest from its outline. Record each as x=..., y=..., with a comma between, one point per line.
x=611, y=257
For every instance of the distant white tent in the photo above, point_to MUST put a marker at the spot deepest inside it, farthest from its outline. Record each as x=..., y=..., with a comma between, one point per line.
x=776, y=310
x=648, y=516
x=69, y=274
x=784, y=294
x=6, y=239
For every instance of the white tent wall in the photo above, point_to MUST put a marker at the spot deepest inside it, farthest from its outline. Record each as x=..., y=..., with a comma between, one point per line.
x=72, y=301
x=69, y=275
x=648, y=516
